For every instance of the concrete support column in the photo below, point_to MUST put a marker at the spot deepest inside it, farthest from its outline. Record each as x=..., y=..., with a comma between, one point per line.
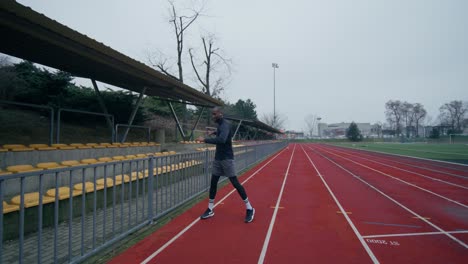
x=161, y=136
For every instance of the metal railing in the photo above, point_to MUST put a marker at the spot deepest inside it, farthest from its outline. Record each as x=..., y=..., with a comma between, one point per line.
x=124, y=136
x=59, y=113
x=59, y=226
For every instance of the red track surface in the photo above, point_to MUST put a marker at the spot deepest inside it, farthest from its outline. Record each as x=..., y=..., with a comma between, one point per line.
x=335, y=205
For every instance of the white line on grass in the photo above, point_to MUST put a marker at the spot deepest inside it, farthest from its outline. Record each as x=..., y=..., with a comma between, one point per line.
x=273, y=218
x=416, y=173
x=416, y=158
x=396, y=202
x=359, y=236
x=168, y=243
x=408, y=183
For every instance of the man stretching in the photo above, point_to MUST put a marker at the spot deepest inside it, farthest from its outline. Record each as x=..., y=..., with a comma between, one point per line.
x=223, y=165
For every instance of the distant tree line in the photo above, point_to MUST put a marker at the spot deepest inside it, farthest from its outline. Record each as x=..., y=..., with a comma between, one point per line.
x=406, y=118
x=25, y=82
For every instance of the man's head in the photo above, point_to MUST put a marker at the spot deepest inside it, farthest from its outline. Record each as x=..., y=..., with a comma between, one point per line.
x=216, y=113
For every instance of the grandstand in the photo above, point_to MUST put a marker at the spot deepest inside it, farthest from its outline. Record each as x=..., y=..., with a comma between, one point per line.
x=65, y=202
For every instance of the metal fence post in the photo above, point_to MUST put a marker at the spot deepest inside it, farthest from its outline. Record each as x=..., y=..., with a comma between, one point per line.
x=206, y=167
x=150, y=187
x=245, y=158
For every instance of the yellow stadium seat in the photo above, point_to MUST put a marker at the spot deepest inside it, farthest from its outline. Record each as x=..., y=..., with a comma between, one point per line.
x=63, y=193
x=63, y=146
x=108, y=145
x=22, y=168
x=12, y=146
x=2, y=172
x=105, y=159
x=71, y=163
x=94, y=145
x=89, y=161
x=108, y=182
x=80, y=146
x=140, y=174
x=31, y=199
x=118, y=158
x=49, y=165
x=8, y=208
x=158, y=170
x=17, y=147
x=118, y=179
x=172, y=152
x=42, y=147
x=140, y=156
x=130, y=157
x=158, y=154
x=3, y=150
x=89, y=187
x=165, y=153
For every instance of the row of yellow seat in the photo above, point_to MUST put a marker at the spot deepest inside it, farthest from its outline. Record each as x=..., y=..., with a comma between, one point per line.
x=213, y=148
x=31, y=147
x=32, y=199
x=191, y=142
x=70, y=163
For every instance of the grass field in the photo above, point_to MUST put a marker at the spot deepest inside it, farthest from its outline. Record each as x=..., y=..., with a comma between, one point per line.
x=444, y=152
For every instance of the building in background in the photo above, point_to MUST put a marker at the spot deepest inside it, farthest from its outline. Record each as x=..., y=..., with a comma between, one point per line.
x=338, y=130
x=291, y=134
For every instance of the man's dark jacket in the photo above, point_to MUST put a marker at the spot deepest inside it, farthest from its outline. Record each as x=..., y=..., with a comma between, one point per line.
x=223, y=140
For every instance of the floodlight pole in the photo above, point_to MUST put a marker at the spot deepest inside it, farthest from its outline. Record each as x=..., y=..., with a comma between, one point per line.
x=275, y=66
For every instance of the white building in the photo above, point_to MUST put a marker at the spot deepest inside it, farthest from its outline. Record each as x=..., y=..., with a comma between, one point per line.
x=338, y=130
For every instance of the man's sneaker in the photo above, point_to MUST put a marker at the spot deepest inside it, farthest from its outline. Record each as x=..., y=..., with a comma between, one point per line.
x=249, y=215
x=207, y=214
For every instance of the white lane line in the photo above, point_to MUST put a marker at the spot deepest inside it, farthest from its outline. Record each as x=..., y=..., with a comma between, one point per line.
x=273, y=218
x=408, y=183
x=396, y=202
x=412, y=172
x=168, y=243
x=417, y=234
x=416, y=160
x=359, y=236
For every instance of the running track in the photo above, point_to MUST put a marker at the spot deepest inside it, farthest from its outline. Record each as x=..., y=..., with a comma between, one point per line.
x=324, y=204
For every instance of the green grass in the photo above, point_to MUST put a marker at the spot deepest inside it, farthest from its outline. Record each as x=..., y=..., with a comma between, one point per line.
x=445, y=152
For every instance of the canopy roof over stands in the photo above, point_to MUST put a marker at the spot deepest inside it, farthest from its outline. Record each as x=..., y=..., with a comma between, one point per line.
x=29, y=35
x=254, y=124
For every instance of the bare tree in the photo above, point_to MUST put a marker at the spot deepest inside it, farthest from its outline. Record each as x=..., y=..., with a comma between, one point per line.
x=180, y=23
x=419, y=113
x=393, y=113
x=212, y=62
x=407, y=115
x=454, y=113
x=277, y=121
x=311, y=123
x=180, y=20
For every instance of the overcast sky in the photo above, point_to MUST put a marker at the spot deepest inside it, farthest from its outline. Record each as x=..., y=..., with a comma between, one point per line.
x=338, y=59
